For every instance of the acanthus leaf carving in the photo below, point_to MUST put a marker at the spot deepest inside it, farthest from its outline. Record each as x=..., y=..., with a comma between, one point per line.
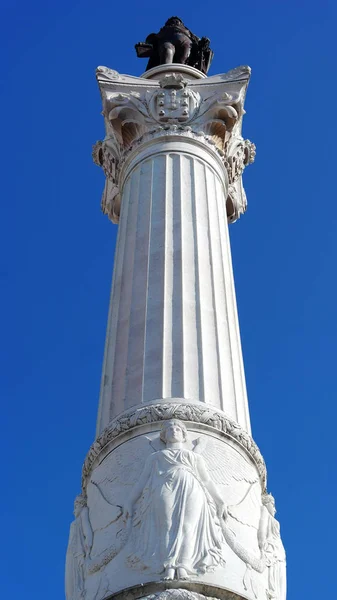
x=173, y=100
x=239, y=154
x=135, y=109
x=104, y=155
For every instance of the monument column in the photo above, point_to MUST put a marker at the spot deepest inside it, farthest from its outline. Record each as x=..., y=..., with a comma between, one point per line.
x=173, y=329
x=174, y=502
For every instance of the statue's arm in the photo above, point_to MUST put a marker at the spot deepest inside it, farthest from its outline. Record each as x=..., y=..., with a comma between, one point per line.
x=211, y=487
x=87, y=530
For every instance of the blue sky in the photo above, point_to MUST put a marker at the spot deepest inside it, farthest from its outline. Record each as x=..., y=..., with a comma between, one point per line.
x=57, y=255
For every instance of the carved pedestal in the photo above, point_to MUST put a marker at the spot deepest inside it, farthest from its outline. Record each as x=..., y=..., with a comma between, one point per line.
x=174, y=501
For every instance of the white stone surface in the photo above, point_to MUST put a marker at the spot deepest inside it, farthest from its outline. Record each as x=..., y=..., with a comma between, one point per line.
x=174, y=488
x=135, y=109
x=173, y=328
x=177, y=504
x=186, y=70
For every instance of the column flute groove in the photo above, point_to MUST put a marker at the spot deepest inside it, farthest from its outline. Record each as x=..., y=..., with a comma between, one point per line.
x=168, y=284
x=218, y=310
x=177, y=333
x=143, y=398
x=120, y=362
x=229, y=372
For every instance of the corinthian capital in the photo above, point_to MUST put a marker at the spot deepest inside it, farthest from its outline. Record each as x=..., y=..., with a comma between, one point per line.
x=136, y=109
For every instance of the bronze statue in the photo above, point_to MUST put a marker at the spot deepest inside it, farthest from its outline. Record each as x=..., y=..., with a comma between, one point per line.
x=174, y=43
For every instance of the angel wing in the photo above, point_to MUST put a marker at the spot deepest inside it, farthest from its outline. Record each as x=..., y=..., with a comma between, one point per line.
x=112, y=479
x=238, y=481
x=224, y=463
x=155, y=443
x=248, y=510
x=121, y=468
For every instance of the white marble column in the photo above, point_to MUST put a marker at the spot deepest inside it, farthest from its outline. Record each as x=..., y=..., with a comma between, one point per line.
x=172, y=329
x=174, y=502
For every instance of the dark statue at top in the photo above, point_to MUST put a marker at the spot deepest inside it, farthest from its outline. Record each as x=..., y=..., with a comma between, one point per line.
x=174, y=43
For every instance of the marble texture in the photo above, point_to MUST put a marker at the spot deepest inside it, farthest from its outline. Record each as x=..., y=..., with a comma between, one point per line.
x=173, y=329
x=174, y=501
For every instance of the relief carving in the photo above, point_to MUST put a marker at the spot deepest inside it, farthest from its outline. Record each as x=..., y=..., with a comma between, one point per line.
x=180, y=511
x=105, y=156
x=182, y=411
x=177, y=105
x=179, y=594
x=240, y=153
x=78, y=552
x=136, y=110
x=131, y=114
x=180, y=502
x=174, y=504
x=272, y=549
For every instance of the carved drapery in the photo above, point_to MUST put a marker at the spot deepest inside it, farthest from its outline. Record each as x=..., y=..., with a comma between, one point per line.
x=223, y=521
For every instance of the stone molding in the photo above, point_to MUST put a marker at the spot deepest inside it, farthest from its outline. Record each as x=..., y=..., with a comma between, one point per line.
x=177, y=590
x=163, y=131
x=187, y=70
x=170, y=139
x=136, y=109
x=179, y=594
x=185, y=411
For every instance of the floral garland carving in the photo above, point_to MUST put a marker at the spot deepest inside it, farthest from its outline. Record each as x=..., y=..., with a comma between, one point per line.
x=182, y=593
x=178, y=594
x=155, y=413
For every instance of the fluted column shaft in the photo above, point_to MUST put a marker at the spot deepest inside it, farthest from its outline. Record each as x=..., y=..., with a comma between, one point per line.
x=173, y=328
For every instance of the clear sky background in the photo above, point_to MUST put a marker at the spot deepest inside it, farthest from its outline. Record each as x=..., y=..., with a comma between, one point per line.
x=57, y=255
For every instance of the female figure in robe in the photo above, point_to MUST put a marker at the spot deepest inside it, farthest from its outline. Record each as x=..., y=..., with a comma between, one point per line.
x=78, y=552
x=272, y=549
x=179, y=511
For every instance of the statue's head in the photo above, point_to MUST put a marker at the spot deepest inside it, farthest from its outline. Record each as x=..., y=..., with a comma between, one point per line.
x=174, y=21
x=173, y=431
x=269, y=502
x=79, y=504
